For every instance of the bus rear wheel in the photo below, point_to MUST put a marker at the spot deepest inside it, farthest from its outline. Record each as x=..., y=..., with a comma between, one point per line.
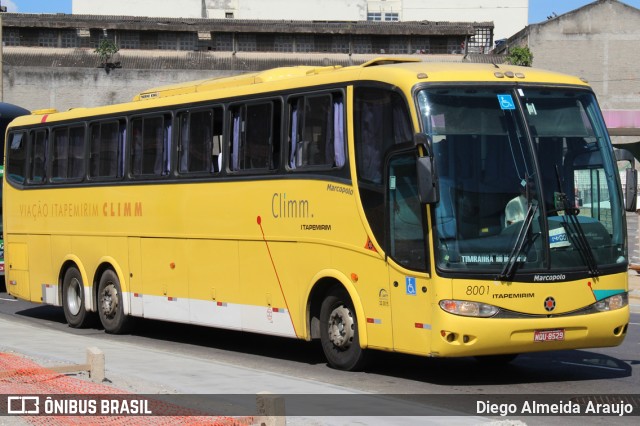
x=73, y=301
x=339, y=332
x=110, y=307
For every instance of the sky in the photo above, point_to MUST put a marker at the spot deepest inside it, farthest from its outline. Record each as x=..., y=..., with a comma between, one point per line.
x=538, y=9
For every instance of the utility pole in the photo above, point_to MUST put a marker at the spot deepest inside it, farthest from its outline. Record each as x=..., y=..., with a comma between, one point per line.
x=2, y=10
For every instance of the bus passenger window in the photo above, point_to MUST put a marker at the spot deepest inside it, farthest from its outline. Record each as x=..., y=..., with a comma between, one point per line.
x=38, y=158
x=150, y=141
x=105, y=157
x=255, y=137
x=199, y=148
x=16, y=157
x=316, y=132
x=68, y=153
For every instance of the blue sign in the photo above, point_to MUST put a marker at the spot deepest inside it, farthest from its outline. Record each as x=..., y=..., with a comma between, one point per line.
x=411, y=285
x=558, y=238
x=506, y=102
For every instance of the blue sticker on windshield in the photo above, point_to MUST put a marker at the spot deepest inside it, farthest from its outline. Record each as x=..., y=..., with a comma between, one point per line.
x=506, y=102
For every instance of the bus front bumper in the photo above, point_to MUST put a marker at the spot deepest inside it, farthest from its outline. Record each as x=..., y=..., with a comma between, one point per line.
x=457, y=336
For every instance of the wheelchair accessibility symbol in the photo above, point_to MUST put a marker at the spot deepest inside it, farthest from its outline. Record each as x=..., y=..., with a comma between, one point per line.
x=506, y=102
x=411, y=285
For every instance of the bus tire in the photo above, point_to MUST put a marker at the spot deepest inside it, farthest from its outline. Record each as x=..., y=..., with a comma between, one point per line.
x=110, y=307
x=73, y=301
x=339, y=332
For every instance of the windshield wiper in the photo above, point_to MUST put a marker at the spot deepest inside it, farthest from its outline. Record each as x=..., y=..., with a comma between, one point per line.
x=576, y=233
x=512, y=260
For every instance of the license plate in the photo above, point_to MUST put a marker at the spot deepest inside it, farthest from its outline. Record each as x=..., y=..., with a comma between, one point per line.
x=548, y=335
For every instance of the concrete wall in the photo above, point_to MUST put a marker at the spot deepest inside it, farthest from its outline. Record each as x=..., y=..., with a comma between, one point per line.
x=155, y=8
x=344, y=10
x=329, y=10
x=509, y=17
x=64, y=88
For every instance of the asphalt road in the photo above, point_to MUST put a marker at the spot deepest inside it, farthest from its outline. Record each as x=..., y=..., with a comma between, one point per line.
x=608, y=370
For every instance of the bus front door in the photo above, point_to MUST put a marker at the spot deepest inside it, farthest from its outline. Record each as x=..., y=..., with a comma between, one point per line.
x=407, y=256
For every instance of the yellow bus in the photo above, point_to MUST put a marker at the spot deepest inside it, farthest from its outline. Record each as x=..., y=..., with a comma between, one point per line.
x=367, y=206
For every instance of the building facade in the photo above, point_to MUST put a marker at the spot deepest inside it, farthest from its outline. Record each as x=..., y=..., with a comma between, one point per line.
x=508, y=16
x=598, y=42
x=51, y=60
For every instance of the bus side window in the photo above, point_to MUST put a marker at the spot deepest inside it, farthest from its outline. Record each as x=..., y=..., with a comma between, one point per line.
x=316, y=131
x=150, y=139
x=105, y=157
x=255, y=136
x=38, y=156
x=381, y=120
x=199, y=147
x=68, y=153
x=16, y=157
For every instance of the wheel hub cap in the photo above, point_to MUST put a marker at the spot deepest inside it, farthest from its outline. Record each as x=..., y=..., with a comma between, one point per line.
x=341, y=327
x=109, y=301
x=73, y=297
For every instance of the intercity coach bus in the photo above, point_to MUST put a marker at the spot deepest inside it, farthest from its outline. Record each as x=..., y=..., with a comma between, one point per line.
x=367, y=206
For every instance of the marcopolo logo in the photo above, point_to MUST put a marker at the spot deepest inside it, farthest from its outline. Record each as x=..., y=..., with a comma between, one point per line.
x=549, y=277
x=549, y=303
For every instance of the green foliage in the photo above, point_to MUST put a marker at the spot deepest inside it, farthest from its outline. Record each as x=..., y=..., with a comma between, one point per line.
x=106, y=50
x=520, y=56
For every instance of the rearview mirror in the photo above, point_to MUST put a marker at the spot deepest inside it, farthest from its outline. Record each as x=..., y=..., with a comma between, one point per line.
x=428, y=185
x=631, y=174
x=631, y=191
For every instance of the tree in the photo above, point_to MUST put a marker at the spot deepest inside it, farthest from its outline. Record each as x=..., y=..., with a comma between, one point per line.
x=520, y=56
x=106, y=49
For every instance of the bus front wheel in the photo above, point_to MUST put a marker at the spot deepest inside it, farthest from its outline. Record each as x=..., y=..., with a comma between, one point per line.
x=73, y=301
x=339, y=332
x=110, y=307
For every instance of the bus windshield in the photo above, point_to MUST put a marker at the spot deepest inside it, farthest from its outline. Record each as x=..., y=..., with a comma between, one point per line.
x=527, y=182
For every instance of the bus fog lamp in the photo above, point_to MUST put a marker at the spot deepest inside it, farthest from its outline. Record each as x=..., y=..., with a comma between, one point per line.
x=612, y=303
x=468, y=309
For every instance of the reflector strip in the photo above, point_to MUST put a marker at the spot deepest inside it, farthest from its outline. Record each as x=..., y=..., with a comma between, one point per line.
x=280, y=310
x=223, y=304
x=172, y=299
x=425, y=326
x=374, y=321
x=137, y=295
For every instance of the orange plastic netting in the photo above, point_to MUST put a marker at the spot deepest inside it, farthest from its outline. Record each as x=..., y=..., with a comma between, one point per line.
x=20, y=376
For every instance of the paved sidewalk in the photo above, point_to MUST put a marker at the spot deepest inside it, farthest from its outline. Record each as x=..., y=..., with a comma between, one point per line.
x=133, y=369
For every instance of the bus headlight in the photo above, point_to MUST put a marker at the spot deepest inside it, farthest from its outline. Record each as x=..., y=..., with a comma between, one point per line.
x=612, y=303
x=469, y=309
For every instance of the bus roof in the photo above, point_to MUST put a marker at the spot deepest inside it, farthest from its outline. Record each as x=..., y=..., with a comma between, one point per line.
x=401, y=72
